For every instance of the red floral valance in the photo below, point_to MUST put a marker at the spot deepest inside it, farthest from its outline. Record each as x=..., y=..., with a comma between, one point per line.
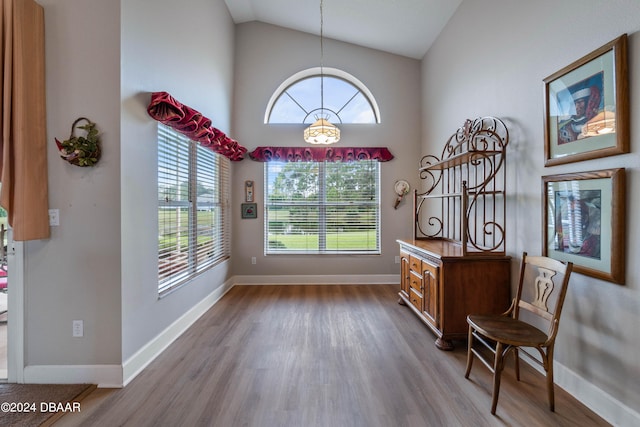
x=320, y=154
x=165, y=109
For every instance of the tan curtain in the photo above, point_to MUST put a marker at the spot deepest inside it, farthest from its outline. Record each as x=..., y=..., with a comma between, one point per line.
x=24, y=193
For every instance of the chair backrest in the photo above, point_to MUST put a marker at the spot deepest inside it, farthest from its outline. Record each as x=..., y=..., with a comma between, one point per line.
x=541, y=292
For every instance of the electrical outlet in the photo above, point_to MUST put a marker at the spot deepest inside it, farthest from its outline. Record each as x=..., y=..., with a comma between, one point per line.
x=54, y=217
x=78, y=328
x=253, y=260
x=397, y=260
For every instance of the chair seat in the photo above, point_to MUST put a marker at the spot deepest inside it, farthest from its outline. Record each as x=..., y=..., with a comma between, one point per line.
x=507, y=330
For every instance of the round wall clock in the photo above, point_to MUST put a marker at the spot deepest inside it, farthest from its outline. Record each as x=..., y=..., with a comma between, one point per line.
x=402, y=187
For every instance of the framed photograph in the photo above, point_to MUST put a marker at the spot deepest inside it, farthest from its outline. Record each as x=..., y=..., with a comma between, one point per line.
x=587, y=107
x=584, y=221
x=249, y=210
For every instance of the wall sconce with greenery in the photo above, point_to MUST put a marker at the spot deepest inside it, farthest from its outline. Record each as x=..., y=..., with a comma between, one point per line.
x=81, y=150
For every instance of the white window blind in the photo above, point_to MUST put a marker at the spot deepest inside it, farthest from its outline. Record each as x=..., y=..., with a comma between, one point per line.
x=193, y=208
x=322, y=207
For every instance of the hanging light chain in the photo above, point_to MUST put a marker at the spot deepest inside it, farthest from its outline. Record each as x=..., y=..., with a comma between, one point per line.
x=321, y=59
x=321, y=131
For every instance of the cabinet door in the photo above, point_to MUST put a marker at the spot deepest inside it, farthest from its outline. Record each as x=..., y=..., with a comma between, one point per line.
x=404, y=273
x=430, y=278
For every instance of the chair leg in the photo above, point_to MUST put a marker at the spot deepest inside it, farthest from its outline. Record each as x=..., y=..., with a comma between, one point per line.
x=517, y=362
x=550, y=385
x=469, y=353
x=497, y=372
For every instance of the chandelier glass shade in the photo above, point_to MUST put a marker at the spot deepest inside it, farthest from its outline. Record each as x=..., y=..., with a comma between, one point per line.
x=322, y=132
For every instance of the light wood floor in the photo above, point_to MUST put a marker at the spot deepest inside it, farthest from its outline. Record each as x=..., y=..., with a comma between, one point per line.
x=319, y=356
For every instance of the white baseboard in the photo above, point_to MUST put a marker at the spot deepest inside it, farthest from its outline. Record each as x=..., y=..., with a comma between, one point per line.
x=611, y=410
x=116, y=376
x=141, y=359
x=113, y=376
x=603, y=404
x=107, y=376
x=136, y=363
x=355, y=279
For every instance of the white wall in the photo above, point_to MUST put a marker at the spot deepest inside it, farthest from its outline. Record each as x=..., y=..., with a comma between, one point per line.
x=491, y=59
x=185, y=49
x=102, y=62
x=266, y=55
x=104, y=59
x=76, y=273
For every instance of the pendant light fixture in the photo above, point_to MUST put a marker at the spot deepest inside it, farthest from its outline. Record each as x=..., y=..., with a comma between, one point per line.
x=322, y=132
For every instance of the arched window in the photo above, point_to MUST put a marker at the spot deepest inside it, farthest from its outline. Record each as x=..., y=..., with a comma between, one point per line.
x=298, y=99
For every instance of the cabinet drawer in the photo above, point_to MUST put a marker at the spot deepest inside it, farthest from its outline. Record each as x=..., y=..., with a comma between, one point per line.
x=415, y=298
x=415, y=264
x=415, y=281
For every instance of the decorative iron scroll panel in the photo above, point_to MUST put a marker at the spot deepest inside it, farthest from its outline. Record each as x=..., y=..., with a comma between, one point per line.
x=464, y=189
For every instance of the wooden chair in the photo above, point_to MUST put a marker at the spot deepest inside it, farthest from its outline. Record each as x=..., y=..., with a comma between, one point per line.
x=537, y=306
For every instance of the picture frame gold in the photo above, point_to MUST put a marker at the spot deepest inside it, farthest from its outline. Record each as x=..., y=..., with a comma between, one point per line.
x=584, y=222
x=586, y=107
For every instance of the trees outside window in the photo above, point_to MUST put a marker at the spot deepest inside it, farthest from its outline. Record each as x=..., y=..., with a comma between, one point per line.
x=193, y=208
x=322, y=207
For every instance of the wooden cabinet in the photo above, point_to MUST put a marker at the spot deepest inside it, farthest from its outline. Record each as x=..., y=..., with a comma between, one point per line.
x=419, y=284
x=456, y=263
x=442, y=286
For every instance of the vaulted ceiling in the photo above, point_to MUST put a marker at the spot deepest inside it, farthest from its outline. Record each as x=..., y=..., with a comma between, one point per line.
x=403, y=27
